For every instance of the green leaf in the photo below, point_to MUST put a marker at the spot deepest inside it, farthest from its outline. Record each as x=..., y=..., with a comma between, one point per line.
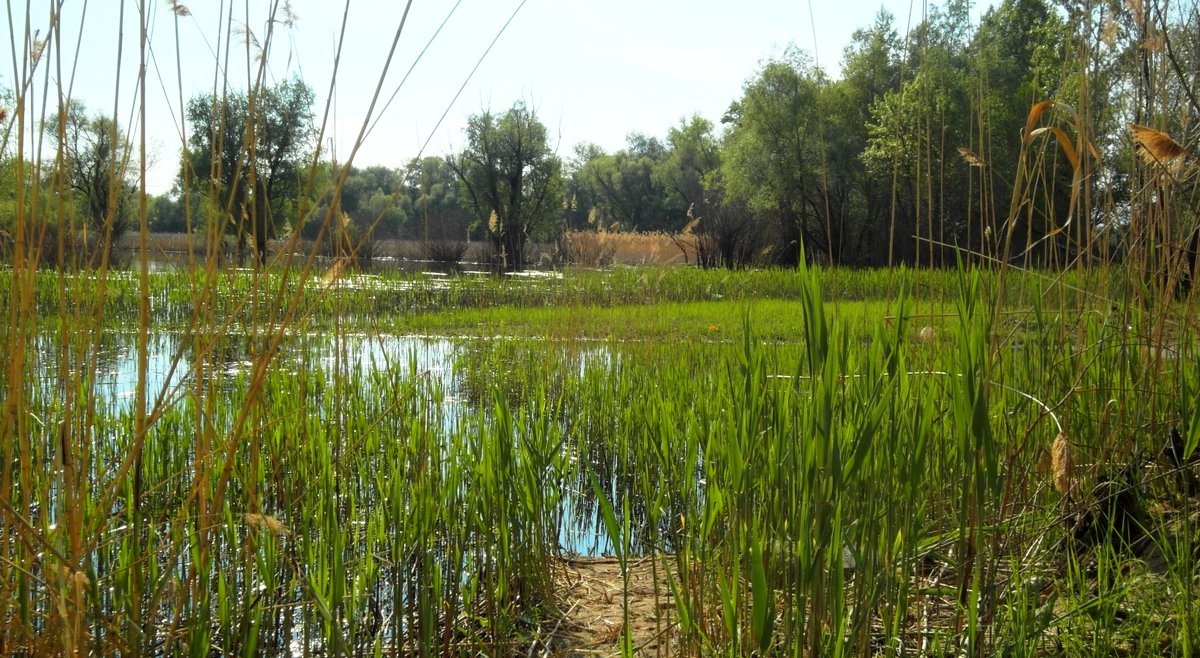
x=762, y=613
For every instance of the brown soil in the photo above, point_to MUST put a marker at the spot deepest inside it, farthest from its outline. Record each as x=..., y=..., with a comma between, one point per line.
x=593, y=610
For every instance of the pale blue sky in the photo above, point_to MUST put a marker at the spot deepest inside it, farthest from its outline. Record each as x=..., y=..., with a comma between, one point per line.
x=594, y=71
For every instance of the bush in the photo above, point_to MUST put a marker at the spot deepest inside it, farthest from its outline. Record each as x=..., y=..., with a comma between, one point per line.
x=444, y=251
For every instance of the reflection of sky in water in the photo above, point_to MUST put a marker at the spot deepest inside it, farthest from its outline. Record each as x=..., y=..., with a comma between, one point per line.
x=424, y=356
x=430, y=358
x=116, y=368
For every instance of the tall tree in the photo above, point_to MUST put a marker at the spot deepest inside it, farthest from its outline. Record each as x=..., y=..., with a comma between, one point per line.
x=512, y=179
x=693, y=157
x=871, y=69
x=775, y=159
x=95, y=156
x=374, y=200
x=582, y=199
x=246, y=150
x=720, y=231
x=915, y=133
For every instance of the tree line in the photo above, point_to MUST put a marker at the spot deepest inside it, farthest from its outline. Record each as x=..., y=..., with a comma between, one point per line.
x=1007, y=138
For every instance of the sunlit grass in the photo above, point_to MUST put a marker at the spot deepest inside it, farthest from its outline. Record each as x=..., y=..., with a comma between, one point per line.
x=697, y=420
x=209, y=460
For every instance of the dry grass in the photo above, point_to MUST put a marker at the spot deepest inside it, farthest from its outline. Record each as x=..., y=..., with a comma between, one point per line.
x=593, y=605
x=624, y=248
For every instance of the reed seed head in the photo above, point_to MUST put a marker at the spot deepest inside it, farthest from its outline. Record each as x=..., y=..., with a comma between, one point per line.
x=970, y=158
x=1060, y=463
x=178, y=8
x=35, y=51
x=1157, y=148
x=266, y=522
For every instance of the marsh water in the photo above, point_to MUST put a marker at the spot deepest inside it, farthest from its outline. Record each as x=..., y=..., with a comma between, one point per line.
x=446, y=373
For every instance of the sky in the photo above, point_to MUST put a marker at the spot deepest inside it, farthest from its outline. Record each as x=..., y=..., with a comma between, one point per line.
x=594, y=71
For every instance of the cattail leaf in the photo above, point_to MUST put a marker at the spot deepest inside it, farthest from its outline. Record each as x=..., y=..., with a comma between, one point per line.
x=609, y=516
x=762, y=615
x=1193, y=435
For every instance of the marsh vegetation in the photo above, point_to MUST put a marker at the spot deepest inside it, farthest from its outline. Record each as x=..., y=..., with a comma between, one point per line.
x=988, y=447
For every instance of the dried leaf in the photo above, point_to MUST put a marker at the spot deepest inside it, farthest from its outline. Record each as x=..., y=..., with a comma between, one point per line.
x=1064, y=141
x=1035, y=113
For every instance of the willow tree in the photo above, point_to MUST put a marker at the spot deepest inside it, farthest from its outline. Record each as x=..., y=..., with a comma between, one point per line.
x=511, y=178
x=774, y=158
x=95, y=160
x=247, y=151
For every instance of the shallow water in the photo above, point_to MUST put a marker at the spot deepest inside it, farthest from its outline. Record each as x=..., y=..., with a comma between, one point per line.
x=434, y=360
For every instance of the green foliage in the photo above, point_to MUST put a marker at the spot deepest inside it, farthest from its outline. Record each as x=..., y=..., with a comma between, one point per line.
x=692, y=159
x=775, y=156
x=95, y=158
x=245, y=155
x=512, y=180
x=438, y=211
x=167, y=213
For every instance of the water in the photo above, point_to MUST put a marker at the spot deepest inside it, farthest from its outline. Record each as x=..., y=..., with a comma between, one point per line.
x=433, y=360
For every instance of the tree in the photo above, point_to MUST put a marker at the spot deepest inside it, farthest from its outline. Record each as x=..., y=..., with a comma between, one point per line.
x=628, y=189
x=374, y=200
x=245, y=152
x=167, y=214
x=774, y=156
x=915, y=134
x=721, y=231
x=693, y=156
x=870, y=70
x=582, y=198
x=437, y=209
x=511, y=178
x=95, y=156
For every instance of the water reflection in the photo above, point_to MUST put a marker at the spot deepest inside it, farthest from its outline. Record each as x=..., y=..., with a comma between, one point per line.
x=170, y=355
x=166, y=261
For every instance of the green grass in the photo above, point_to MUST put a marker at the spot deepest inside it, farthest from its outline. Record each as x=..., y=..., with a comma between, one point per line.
x=773, y=320
x=752, y=428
